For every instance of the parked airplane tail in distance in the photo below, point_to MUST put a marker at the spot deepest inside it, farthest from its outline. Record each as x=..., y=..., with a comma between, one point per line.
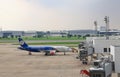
x=22, y=43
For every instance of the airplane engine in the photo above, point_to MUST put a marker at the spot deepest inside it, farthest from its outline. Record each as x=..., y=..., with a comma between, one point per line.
x=52, y=52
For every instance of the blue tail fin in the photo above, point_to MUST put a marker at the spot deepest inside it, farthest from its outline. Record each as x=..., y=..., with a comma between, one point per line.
x=22, y=43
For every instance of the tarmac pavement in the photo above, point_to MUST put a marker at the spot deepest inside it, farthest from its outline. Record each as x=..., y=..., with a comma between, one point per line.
x=17, y=63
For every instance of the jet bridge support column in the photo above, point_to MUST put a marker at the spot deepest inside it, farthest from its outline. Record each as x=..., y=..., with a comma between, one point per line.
x=118, y=74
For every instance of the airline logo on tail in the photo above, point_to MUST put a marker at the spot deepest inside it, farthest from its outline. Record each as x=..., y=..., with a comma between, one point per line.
x=21, y=42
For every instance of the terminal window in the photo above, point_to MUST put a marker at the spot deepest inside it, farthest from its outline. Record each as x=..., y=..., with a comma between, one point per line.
x=105, y=49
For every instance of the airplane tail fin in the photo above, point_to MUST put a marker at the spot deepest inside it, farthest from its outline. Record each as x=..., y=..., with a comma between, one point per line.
x=22, y=43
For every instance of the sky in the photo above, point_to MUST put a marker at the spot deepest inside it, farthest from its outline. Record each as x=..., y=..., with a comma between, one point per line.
x=47, y=15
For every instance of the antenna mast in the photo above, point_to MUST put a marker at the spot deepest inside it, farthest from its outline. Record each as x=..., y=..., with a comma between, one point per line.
x=96, y=31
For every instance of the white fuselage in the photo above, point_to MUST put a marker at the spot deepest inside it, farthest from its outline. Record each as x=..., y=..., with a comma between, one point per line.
x=62, y=48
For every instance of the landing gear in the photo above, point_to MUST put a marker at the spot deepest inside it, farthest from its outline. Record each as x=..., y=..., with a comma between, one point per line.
x=46, y=53
x=29, y=53
x=64, y=53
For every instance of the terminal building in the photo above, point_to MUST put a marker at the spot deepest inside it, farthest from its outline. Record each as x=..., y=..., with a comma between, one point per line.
x=5, y=34
x=30, y=33
x=101, y=44
x=82, y=32
x=57, y=33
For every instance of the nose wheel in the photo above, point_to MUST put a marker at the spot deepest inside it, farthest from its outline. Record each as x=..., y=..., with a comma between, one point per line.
x=46, y=53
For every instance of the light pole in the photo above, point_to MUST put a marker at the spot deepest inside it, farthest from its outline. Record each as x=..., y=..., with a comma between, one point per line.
x=106, y=19
x=95, y=23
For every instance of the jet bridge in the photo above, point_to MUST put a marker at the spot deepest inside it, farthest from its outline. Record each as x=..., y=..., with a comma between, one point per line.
x=84, y=52
x=101, y=68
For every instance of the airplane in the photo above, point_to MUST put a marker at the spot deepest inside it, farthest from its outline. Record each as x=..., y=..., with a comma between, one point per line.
x=49, y=50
